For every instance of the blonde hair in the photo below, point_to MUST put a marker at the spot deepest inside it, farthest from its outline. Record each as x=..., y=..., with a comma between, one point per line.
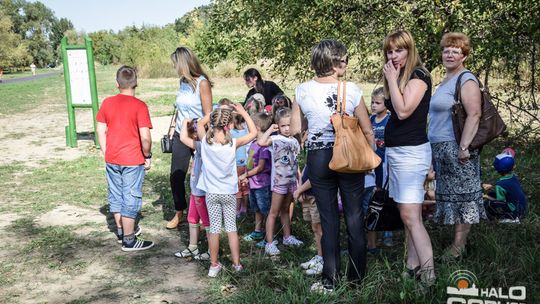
x=262, y=120
x=220, y=119
x=188, y=66
x=402, y=40
x=457, y=40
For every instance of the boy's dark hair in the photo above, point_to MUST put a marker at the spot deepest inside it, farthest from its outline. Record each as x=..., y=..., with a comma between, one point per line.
x=378, y=92
x=126, y=77
x=262, y=120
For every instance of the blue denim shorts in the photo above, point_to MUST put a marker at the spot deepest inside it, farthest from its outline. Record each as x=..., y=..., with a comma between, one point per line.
x=259, y=200
x=125, y=189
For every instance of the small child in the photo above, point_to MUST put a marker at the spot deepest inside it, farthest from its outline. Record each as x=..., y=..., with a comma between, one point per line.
x=259, y=170
x=197, y=200
x=255, y=104
x=285, y=149
x=428, y=206
x=219, y=179
x=278, y=102
x=311, y=215
x=123, y=129
x=379, y=118
x=508, y=202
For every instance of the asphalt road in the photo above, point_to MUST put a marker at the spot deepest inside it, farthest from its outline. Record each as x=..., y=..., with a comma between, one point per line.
x=30, y=78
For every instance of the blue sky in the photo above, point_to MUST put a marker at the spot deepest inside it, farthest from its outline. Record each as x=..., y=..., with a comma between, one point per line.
x=94, y=15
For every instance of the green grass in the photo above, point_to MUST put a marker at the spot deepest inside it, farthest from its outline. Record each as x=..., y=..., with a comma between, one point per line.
x=500, y=255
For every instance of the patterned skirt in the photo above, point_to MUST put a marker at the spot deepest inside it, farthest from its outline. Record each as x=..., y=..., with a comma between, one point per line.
x=458, y=191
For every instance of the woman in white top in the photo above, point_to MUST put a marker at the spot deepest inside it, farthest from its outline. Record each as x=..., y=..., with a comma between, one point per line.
x=315, y=101
x=194, y=100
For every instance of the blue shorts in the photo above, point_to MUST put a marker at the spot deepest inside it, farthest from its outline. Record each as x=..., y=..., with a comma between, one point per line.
x=125, y=189
x=259, y=200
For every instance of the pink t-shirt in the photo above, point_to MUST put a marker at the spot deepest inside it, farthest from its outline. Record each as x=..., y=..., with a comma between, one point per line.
x=255, y=154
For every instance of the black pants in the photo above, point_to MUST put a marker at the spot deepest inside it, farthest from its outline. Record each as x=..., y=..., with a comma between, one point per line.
x=325, y=183
x=181, y=155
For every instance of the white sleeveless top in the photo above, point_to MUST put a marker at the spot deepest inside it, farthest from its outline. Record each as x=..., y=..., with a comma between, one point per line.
x=188, y=102
x=218, y=174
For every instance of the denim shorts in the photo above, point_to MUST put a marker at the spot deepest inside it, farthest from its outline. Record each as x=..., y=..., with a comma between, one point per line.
x=125, y=189
x=259, y=200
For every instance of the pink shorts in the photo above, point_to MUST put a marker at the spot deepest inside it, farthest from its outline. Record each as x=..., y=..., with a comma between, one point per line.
x=243, y=189
x=284, y=189
x=197, y=210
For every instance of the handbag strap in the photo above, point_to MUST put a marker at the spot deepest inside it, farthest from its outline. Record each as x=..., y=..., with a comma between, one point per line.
x=341, y=97
x=173, y=123
x=457, y=92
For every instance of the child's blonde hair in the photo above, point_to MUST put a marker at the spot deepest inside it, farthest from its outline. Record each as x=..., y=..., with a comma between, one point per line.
x=282, y=113
x=238, y=120
x=220, y=119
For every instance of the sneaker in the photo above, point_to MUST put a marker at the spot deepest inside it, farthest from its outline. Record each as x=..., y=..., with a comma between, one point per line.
x=262, y=244
x=237, y=268
x=186, y=253
x=315, y=269
x=319, y=287
x=205, y=256
x=213, y=271
x=120, y=237
x=137, y=245
x=254, y=236
x=271, y=249
x=314, y=260
x=292, y=241
x=509, y=221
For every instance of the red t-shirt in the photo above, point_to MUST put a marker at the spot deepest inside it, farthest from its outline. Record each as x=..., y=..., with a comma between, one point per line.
x=124, y=116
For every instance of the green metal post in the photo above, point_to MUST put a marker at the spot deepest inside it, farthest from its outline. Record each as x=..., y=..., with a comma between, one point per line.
x=71, y=134
x=93, y=86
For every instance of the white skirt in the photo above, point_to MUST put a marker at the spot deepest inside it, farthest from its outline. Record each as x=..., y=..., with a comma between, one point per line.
x=408, y=167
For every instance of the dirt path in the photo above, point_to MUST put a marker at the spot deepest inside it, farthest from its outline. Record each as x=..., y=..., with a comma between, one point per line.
x=30, y=78
x=89, y=267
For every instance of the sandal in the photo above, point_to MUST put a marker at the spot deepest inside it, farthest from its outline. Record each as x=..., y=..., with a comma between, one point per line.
x=205, y=256
x=411, y=274
x=186, y=253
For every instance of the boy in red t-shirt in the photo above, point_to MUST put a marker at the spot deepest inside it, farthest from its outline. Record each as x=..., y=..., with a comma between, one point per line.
x=123, y=129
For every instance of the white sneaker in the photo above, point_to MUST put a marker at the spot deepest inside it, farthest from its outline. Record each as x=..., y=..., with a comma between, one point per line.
x=238, y=268
x=509, y=221
x=205, y=256
x=315, y=269
x=292, y=241
x=318, y=287
x=312, y=262
x=271, y=249
x=214, y=270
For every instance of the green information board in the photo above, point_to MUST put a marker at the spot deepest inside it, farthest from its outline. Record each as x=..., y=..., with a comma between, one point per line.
x=80, y=80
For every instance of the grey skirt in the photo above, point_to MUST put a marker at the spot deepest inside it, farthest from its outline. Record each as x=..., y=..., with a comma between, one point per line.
x=458, y=191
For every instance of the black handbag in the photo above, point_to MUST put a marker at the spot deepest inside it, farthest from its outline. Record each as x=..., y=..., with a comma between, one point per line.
x=166, y=141
x=490, y=125
x=383, y=213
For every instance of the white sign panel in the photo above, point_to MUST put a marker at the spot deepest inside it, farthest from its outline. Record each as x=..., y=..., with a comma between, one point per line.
x=78, y=77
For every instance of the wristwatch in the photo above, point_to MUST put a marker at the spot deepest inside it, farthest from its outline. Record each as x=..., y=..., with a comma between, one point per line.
x=148, y=157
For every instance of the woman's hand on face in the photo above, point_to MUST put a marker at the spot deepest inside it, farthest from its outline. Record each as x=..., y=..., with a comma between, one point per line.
x=390, y=72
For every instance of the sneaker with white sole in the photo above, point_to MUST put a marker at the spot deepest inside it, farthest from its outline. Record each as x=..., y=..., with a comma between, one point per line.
x=238, y=268
x=137, y=245
x=315, y=269
x=292, y=241
x=120, y=237
x=186, y=253
x=213, y=271
x=319, y=287
x=271, y=249
x=314, y=260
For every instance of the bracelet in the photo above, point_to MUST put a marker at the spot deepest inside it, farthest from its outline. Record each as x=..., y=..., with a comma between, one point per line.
x=463, y=148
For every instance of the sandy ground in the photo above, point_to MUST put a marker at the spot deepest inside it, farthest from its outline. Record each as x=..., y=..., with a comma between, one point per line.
x=34, y=143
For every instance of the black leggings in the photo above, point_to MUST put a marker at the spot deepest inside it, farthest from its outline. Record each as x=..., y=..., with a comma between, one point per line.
x=181, y=155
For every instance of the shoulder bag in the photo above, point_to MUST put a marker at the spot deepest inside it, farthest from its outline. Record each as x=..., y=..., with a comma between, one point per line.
x=352, y=153
x=166, y=141
x=491, y=124
x=383, y=213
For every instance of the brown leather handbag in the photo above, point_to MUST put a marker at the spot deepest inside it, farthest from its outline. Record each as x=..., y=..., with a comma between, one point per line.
x=491, y=124
x=352, y=153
